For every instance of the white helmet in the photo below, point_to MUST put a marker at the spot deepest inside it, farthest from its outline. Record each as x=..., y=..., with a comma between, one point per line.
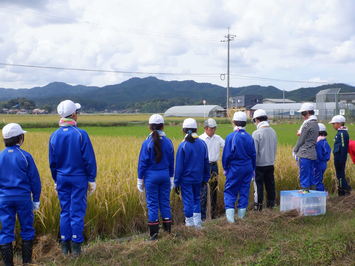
x=189, y=123
x=240, y=116
x=321, y=127
x=338, y=119
x=306, y=107
x=156, y=119
x=210, y=122
x=259, y=113
x=12, y=130
x=67, y=108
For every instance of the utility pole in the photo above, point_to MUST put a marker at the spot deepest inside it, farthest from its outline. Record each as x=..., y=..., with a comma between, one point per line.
x=228, y=39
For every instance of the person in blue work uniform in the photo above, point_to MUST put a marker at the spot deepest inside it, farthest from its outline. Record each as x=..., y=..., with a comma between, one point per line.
x=340, y=151
x=73, y=167
x=191, y=171
x=155, y=174
x=238, y=160
x=20, y=190
x=323, y=156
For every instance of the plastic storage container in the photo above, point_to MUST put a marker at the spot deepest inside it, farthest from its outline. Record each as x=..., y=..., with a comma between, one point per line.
x=309, y=204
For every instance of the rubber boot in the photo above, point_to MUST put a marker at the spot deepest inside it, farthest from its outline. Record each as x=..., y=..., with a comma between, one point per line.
x=258, y=207
x=76, y=248
x=153, y=230
x=230, y=215
x=197, y=220
x=27, y=246
x=189, y=221
x=167, y=225
x=66, y=247
x=7, y=254
x=270, y=204
x=241, y=213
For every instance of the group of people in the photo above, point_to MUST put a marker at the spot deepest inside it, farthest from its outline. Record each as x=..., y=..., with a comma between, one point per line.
x=193, y=173
x=73, y=168
x=312, y=151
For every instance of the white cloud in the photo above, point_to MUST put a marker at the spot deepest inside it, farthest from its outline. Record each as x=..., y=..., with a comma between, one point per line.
x=282, y=39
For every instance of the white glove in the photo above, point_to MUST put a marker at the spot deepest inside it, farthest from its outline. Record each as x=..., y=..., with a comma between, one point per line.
x=140, y=185
x=294, y=156
x=172, y=183
x=35, y=205
x=55, y=186
x=92, y=187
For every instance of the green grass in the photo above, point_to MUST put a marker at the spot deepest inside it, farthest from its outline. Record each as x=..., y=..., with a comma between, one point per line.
x=286, y=132
x=266, y=238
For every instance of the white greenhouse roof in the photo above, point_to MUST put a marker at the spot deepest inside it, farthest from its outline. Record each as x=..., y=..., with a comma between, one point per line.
x=192, y=110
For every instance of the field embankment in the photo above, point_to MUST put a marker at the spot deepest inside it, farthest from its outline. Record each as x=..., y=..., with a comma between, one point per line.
x=266, y=238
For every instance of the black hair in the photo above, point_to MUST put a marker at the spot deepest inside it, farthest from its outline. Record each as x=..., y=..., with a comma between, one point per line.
x=156, y=139
x=323, y=133
x=189, y=132
x=260, y=118
x=240, y=123
x=14, y=140
x=304, y=113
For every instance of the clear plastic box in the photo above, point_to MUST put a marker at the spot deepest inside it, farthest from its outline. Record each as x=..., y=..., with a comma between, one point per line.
x=309, y=204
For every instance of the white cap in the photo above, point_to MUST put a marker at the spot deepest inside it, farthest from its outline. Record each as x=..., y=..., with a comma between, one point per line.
x=210, y=122
x=12, y=130
x=259, y=113
x=240, y=116
x=321, y=127
x=337, y=119
x=306, y=107
x=189, y=123
x=67, y=108
x=156, y=119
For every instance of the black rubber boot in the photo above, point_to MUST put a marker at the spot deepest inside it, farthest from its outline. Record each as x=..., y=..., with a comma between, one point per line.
x=258, y=206
x=66, y=247
x=153, y=230
x=27, y=246
x=270, y=204
x=76, y=248
x=167, y=225
x=7, y=254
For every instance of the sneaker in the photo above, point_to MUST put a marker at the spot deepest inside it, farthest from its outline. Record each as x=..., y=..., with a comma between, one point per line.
x=304, y=191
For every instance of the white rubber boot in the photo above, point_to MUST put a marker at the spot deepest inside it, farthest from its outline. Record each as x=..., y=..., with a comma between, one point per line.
x=230, y=215
x=197, y=220
x=241, y=213
x=189, y=221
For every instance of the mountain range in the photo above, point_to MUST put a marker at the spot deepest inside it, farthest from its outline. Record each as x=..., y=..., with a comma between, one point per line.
x=152, y=95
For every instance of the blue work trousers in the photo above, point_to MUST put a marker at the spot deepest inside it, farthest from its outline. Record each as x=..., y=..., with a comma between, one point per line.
x=306, y=172
x=8, y=211
x=191, y=198
x=319, y=169
x=72, y=193
x=157, y=187
x=237, y=186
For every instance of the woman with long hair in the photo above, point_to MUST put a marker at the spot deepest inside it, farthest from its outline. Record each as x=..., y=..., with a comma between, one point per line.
x=155, y=175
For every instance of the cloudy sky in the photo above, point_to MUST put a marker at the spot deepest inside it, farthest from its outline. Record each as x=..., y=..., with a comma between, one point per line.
x=291, y=41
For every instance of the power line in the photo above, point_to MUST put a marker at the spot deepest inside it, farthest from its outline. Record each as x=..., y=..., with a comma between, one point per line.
x=214, y=75
x=112, y=71
x=279, y=80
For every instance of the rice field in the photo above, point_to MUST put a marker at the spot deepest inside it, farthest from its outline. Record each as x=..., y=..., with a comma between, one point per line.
x=117, y=208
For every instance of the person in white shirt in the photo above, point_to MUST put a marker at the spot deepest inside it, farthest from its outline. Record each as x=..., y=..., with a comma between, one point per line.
x=214, y=145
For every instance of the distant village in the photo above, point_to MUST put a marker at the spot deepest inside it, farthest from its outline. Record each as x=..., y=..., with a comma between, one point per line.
x=21, y=106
